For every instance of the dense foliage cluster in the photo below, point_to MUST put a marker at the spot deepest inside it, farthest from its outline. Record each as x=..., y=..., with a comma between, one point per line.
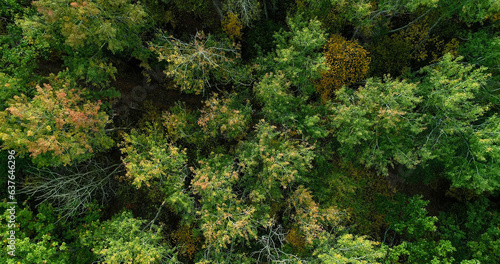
x=250, y=131
x=347, y=64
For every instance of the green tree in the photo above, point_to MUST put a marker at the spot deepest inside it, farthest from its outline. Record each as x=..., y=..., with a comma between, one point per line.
x=150, y=159
x=348, y=248
x=241, y=196
x=41, y=246
x=280, y=106
x=77, y=24
x=470, y=11
x=81, y=31
x=288, y=75
x=459, y=130
x=377, y=124
x=124, y=240
x=474, y=232
x=225, y=218
x=20, y=57
x=435, y=121
x=366, y=13
x=297, y=55
x=272, y=162
x=420, y=243
x=40, y=236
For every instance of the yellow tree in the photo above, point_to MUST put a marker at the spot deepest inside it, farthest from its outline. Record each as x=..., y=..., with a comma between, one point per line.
x=348, y=63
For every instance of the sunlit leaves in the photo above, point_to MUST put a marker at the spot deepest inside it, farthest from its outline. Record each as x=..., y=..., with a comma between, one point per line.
x=472, y=11
x=439, y=118
x=457, y=133
x=280, y=106
x=296, y=53
x=150, y=157
x=56, y=127
x=123, y=240
x=377, y=123
x=349, y=248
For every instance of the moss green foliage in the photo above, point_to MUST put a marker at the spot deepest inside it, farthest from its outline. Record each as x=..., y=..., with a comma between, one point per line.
x=250, y=131
x=473, y=232
x=41, y=236
x=417, y=229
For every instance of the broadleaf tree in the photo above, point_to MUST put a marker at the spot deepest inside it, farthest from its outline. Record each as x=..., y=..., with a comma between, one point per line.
x=56, y=127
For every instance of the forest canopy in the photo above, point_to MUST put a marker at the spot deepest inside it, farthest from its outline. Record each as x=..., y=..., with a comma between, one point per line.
x=250, y=131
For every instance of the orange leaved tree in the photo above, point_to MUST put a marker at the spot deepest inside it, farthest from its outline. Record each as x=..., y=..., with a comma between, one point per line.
x=56, y=127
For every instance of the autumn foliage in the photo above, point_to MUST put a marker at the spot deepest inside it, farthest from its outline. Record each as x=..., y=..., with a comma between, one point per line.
x=222, y=117
x=56, y=127
x=348, y=63
x=303, y=131
x=232, y=26
x=310, y=218
x=188, y=242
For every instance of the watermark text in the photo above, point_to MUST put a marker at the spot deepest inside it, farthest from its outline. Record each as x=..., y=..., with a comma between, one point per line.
x=11, y=190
